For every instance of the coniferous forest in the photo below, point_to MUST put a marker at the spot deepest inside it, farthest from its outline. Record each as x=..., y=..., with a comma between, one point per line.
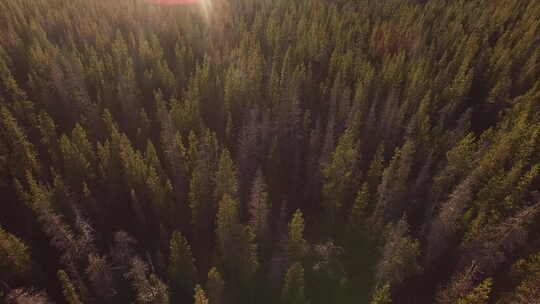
x=270, y=151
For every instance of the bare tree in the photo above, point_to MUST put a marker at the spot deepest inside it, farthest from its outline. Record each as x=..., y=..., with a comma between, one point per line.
x=446, y=223
x=123, y=249
x=27, y=296
x=101, y=276
x=460, y=285
x=493, y=247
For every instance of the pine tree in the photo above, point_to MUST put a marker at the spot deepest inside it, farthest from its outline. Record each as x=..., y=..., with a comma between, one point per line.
x=293, y=291
x=49, y=136
x=400, y=254
x=201, y=195
x=148, y=287
x=359, y=210
x=338, y=176
x=21, y=154
x=479, y=295
x=393, y=188
x=382, y=295
x=527, y=273
x=226, y=177
x=68, y=289
x=215, y=285
x=375, y=171
x=182, y=272
x=297, y=246
x=259, y=207
x=14, y=256
x=79, y=157
x=235, y=243
x=200, y=296
x=152, y=159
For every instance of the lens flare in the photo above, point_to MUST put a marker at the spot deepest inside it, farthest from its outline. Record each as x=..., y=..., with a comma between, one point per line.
x=173, y=2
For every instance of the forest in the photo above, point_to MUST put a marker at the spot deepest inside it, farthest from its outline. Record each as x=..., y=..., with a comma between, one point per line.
x=270, y=151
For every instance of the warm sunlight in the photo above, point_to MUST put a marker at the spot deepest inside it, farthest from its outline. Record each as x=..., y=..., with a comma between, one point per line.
x=204, y=5
x=174, y=2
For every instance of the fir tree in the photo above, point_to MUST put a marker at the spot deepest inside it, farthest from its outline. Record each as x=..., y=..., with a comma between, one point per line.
x=14, y=256
x=215, y=285
x=259, y=208
x=200, y=296
x=182, y=272
x=297, y=246
x=338, y=174
x=293, y=291
x=382, y=295
x=68, y=289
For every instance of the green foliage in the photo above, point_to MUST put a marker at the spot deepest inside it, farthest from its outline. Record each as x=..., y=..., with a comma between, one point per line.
x=181, y=270
x=381, y=295
x=236, y=243
x=294, y=286
x=215, y=285
x=259, y=208
x=215, y=119
x=338, y=174
x=200, y=296
x=359, y=209
x=400, y=255
x=479, y=295
x=226, y=177
x=68, y=289
x=15, y=257
x=21, y=156
x=297, y=246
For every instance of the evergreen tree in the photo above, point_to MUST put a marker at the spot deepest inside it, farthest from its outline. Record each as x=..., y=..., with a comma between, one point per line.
x=182, y=272
x=393, y=189
x=297, y=246
x=400, y=254
x=200, y=296
x=68, y=289
x=382, y=295
x=14, y=256
x=293, y=291
x=163, y=129
x=259, y=208
x=21, y=155
x=359, y=210
x=215, y=287
x=479, y=295
x=338, y=175
x=226, y=177
x=235, y=243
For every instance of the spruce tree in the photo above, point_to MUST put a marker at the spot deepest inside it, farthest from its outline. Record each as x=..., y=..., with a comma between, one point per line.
x=215, y=286
x=259, y=208
x=338, y=175
x=68, y=289
x=200, y=296
x=293, y=291
x=182, y=272
x=381, y=295
x=15, y=257
x=236, y=243
x=297, y=246
x=226, y=177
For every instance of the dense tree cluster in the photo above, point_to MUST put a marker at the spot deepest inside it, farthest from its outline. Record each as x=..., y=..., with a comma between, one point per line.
x=270, y=151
